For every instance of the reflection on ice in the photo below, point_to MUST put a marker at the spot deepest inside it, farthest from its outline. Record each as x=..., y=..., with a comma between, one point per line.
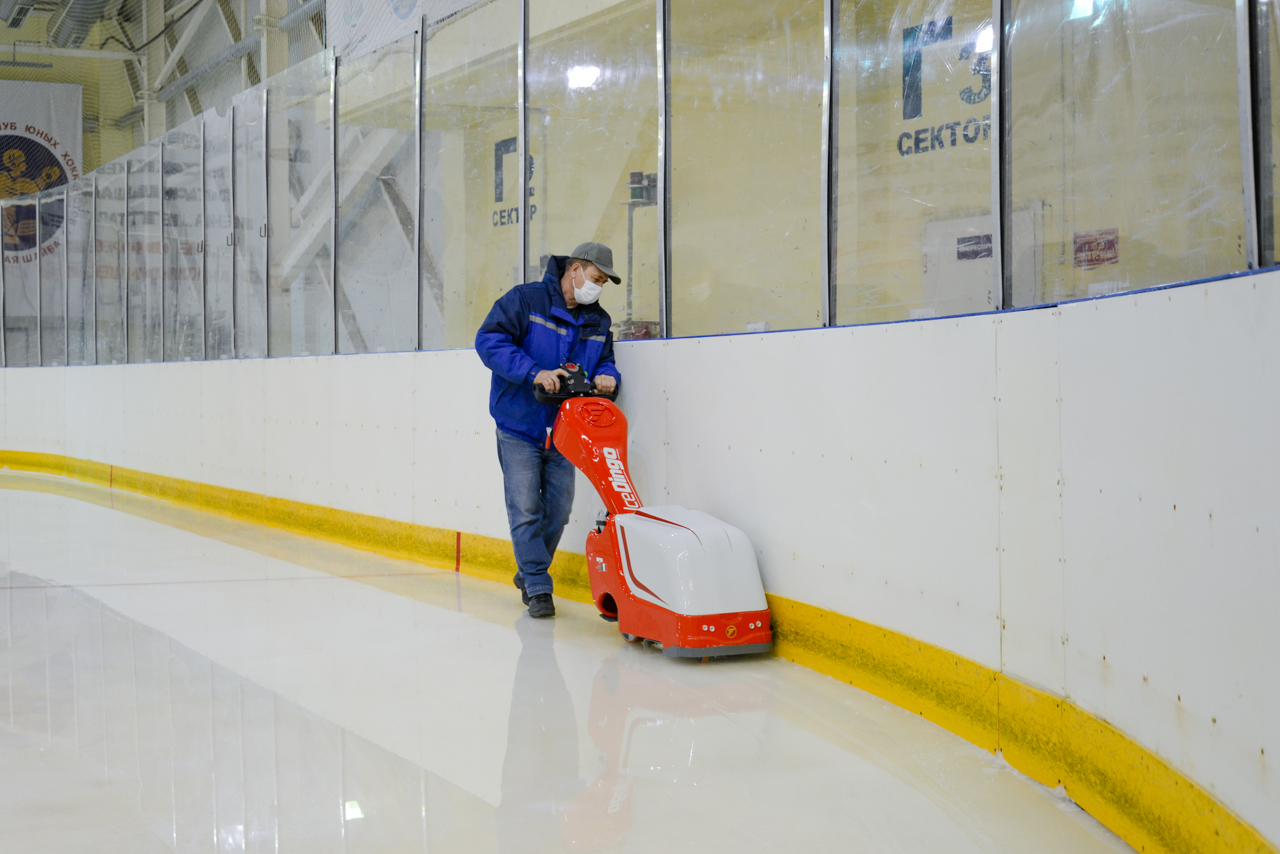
x=256, y=691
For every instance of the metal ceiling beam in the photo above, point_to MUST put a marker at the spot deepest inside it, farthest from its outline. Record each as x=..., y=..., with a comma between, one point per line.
x=185, y=39
x=79, y=53
x=237, y=50
x=301, y=14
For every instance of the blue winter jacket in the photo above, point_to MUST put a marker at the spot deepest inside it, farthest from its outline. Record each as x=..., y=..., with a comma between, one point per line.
x=529, y=329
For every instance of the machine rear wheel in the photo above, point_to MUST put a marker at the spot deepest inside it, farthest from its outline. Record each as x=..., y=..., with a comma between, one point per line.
x=630, y=638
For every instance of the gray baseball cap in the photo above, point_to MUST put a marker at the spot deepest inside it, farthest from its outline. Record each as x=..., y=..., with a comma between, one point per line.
x=600, y=255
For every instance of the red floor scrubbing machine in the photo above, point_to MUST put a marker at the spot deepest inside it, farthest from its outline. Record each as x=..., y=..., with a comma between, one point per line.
x=679, y=578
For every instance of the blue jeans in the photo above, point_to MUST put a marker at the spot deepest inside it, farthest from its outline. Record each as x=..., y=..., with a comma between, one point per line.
x=538, y=484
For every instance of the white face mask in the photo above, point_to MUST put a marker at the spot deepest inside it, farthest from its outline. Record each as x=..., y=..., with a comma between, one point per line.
x=589, y=292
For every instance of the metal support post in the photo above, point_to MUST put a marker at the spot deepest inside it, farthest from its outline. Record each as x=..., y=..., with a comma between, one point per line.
x=39, y=284
x=93, y=253
x=204, y=255
x=333, y=251
x=231, y=180
x=66, y=279
x=1264, y=171
x=124, y=279
x=830, y=13
x=1001, y=172
x=266, y=223
x=1245, y=98
x=664, y=172
x=419, y=65
x=522, y=139
x=163, y=246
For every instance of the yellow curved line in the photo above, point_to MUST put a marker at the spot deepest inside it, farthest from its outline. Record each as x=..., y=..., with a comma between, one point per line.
x=1134, y=792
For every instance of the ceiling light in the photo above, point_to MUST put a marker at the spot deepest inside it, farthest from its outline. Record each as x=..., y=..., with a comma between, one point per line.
x=583, y=76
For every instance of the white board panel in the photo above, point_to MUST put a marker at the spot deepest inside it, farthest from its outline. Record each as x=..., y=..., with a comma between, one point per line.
x=457, y=482
x=231, y=424
x=35, y=418
x=372, y=434
x=94, y=412
x=1030, y=499
x=161, y=406
x=861, y=463
x=1171, y=510
x=643, y=398
x=297, y=426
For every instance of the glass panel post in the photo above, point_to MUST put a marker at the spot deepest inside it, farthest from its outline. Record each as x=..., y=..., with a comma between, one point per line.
x=592, y=111
x=301, y=212
x=250, y=238
x=1244, y=96
x=827, y=176
x=377, y=291
x=1123, y=174
x=184, y=250
x=522, y=141
x=79, y=263
x=219, y=236
x=1001, y=163
x=469, y=246
x=1263, y=56
x=110, y=247
x=145, y=256
x=419, y=48
x=746, y=161
x=915, y=235
x=22, y=281
x=51, y=252
x=662, y=28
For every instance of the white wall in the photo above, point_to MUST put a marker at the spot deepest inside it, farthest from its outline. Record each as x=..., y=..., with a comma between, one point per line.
x=1002, y=486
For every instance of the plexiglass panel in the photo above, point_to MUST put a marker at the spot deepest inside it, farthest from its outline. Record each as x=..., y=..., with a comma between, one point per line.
x=184, y=243
x=1126, y=145
x=53, y=266
x=746, y=145
x=80, y=272
x=219, y=236
x=470, y=171
x=21, y=283
x=111, y=226
x=300, y=127
x=250, y=200
x=593, y=137
x=145, y=256
x=913, y=228
x=378, y=201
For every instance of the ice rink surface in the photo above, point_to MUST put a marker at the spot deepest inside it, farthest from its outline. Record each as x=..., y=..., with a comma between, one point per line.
x=172, y=680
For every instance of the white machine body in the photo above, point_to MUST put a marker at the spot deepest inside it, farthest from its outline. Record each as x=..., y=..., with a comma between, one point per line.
x=689, y=562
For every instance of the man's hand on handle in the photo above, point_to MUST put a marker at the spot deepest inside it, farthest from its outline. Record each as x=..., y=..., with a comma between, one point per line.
x=605, y=383
x=550, y=380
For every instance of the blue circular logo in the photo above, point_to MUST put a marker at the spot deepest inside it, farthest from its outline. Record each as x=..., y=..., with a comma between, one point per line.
x=28, y=166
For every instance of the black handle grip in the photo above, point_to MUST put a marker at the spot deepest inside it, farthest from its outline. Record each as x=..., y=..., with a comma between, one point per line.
x=561, y=396
x=576, y=384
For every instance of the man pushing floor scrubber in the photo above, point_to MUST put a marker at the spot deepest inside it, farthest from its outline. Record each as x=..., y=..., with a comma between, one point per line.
x=679, y=578
x=530, y=331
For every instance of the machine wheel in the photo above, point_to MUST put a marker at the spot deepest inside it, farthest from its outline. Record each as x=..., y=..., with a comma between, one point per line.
x=630, y=638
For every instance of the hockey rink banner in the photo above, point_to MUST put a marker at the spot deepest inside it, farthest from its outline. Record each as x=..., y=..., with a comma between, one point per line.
x=40, y=149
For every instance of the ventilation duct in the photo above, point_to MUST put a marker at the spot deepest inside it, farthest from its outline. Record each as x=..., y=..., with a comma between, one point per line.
x=70, y=25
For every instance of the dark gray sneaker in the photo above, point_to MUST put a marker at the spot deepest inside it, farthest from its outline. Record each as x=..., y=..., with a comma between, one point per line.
x=519, y=583
x=540, y=605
